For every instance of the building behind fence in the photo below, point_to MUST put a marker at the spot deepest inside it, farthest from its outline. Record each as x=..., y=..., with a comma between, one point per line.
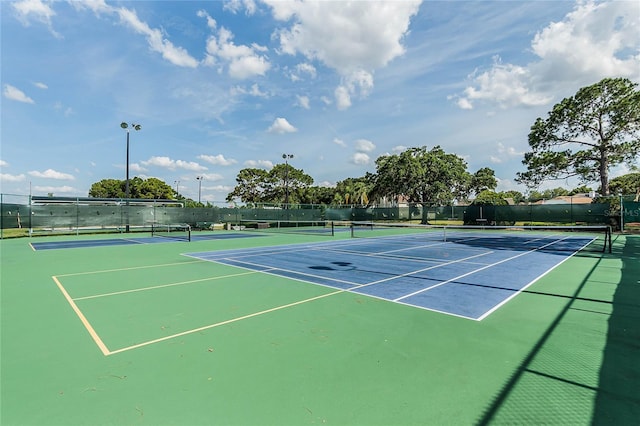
x=25, y=215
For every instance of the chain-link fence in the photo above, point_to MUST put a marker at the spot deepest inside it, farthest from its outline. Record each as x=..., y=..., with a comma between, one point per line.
x=22, y=215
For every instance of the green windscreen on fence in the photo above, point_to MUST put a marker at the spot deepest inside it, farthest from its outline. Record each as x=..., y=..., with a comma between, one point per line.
x=23, y=216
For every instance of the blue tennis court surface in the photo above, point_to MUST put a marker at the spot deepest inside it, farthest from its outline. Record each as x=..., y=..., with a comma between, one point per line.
x=468, y=277
x=54, y=245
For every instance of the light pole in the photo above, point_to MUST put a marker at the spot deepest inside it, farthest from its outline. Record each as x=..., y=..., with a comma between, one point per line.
x=286, y=178
x=199, y=179
x=126, y=127
x=177, y=182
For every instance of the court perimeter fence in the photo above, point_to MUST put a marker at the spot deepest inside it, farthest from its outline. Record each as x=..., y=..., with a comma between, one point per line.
x=23, y=215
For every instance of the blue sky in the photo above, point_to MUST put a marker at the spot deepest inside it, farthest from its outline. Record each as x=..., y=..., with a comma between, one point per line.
x=221, y=86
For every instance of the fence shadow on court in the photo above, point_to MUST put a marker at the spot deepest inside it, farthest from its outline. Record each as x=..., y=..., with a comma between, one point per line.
x=618, y=402
x=586, y=366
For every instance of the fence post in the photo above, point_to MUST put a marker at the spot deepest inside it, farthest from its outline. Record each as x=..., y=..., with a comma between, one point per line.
x=621, y=214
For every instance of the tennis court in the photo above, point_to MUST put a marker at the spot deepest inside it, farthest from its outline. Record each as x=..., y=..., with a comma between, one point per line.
x=362, y=327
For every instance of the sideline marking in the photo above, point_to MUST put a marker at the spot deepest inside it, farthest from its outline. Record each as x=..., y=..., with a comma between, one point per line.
x=134, y=290
x=477, y=270
x=83, y=319
x=104, y=271
x=218, y=324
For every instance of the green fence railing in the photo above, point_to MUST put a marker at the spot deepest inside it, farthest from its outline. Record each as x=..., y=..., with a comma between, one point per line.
x=21, y=216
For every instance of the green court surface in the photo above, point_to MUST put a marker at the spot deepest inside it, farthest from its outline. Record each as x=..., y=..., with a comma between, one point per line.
x=142, y=335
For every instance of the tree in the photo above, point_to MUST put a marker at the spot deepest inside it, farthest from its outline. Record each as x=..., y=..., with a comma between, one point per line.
x=516, y=196
x=584, y=189
x=251, y=186
x=585, y=135
x=354, y=191
x=490, y=198
x=483, y=180
x=107, y=188
x=628, y=184
x=429, y=177
x=150, y=188
x=288, y=184
x=138, y=188
x=318, y=195
x=261, y=186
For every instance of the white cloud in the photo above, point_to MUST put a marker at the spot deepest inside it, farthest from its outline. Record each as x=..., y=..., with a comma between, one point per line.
x=608, y=28
x=5, y=177
x=51, y=174
x=339, y=142
x=40, y=85
x=55, y=189
x=261, y=164
x=306, y=68
x=4, y=163
x=364, y=145
x=464, y=103
x=505, y=153
x=346, y=36
x=594, y=41
x=211, y=23
x=211, y=177
x=326, y=184
x=360, y=158
x=281, y=125
x=343, y=99
x=399, y=148
x=135, y=167
x=353, y=38
x=16, y=94
x=217, y=160
x=168, y=163
x=303, y=101
x=35, y=9
x=157, y=42
x=505, y=84
x=155, y=37
x=254, y=90
x=67, y=111
x=235, y=6
x=243, y=61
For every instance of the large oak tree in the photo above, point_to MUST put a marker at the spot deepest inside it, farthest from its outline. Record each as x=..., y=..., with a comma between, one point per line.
x=430, y=177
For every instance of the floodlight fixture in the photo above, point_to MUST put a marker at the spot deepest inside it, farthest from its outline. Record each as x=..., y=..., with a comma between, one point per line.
x=125, y=126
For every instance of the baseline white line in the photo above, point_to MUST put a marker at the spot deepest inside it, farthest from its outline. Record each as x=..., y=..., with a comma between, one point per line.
x=83, y=319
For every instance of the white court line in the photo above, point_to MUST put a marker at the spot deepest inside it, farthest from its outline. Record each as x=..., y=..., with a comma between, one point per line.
x=356, y=285
x=477, y=270
x=218, y=324
x=496, y=307
x=155, y=287
x=104, y=271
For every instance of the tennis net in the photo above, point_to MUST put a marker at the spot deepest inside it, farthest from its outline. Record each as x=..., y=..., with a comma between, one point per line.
x=309, y=227
x=178, y=231
x=547, y=238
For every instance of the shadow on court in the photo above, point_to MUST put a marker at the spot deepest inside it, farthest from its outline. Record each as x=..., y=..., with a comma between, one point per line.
x=618, y=400
x=586, y=365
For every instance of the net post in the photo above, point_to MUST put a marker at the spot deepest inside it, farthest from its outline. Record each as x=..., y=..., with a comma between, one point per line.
x=332, y=229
